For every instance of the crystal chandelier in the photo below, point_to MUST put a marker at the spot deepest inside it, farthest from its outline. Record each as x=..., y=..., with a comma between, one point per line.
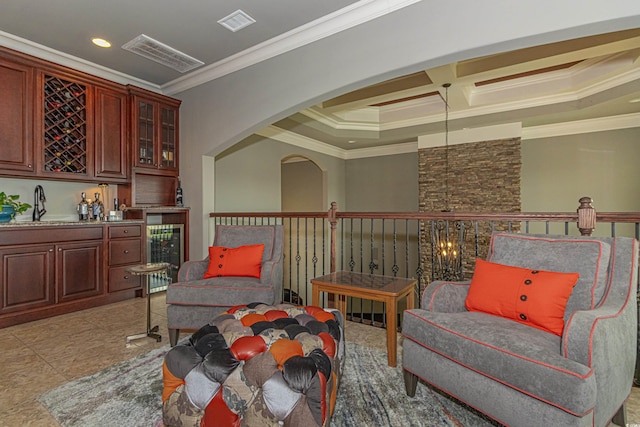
x=447, y=236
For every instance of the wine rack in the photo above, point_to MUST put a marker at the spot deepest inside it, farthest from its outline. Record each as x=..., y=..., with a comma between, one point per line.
x=65, y=126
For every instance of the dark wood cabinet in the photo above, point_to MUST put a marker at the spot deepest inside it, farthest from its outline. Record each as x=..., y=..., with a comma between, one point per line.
x=78, y=270
x=50, y=270
x=63, y=124
x=154, y=131
x=27, y=277
x=111, y=134
x=16, y=122
x=126, y=248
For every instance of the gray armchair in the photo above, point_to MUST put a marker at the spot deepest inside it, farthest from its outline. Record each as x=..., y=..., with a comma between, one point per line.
x=194, y=301
x=524, y=376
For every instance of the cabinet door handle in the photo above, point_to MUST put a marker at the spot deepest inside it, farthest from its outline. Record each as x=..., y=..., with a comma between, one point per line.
x=59, y=249
x=126, y=252
x=29, y=166
x=50, y=250
x=126, y=231
x=126, y=277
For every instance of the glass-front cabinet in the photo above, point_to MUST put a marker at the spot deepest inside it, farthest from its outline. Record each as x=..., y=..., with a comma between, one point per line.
x=168, y=135
x=146, y=134
x=155, y=132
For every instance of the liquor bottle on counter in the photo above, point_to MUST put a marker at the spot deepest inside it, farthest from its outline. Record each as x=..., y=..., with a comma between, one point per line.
x=179, y=201
x=83, y=208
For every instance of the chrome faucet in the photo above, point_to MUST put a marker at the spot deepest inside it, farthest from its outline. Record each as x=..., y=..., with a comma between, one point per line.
x=38, y=198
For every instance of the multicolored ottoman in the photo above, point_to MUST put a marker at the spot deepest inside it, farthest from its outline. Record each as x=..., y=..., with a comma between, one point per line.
x=257, y=365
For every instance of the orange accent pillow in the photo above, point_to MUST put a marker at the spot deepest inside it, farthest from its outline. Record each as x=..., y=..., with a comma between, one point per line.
x=533, y=297
x=241, y=261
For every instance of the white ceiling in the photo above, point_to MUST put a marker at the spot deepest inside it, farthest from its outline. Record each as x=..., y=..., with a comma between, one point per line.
x=590, y=79
x=188, y=26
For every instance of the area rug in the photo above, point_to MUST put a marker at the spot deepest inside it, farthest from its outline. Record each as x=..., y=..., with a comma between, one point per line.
x=371, y=394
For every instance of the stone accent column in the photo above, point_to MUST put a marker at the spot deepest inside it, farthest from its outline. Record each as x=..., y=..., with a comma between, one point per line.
x=483, y=177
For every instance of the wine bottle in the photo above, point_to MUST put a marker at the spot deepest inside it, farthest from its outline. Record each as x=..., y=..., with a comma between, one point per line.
x=179, y=201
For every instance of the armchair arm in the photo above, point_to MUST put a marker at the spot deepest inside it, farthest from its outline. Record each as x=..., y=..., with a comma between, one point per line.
x=271, y=275
x=445, y=297
x=602, y=333
x=267, y=272
x=192, y=270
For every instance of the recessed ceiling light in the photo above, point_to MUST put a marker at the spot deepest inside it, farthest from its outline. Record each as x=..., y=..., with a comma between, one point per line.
x=351, y=141
x=100, y=42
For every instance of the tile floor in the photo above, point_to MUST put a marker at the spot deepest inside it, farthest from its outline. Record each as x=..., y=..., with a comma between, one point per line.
x=40, y=355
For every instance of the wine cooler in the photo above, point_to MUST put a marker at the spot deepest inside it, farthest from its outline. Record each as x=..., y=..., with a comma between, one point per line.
x=165, y=243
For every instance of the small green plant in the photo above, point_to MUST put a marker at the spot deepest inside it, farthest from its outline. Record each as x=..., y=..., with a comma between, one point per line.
x=12, y=200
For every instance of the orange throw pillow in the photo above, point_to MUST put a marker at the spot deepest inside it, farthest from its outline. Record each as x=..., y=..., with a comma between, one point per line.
x=533, y=297
x=241, y=261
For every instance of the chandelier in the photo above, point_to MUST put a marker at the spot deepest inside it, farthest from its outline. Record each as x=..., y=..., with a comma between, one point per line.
x=447, y=236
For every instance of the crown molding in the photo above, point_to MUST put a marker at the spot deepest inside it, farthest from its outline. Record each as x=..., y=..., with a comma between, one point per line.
x=601, y=124
x=297, y=140
x=343, y=19
x=387, y=150
x=487, y=133
x=43, y=52
x=465, y=136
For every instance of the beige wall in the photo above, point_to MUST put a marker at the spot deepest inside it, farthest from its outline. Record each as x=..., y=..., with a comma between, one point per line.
x=557, y=171
x=386, y=183
x=248, y=177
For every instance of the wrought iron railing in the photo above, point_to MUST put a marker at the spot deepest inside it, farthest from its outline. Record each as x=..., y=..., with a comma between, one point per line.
x=401, y=243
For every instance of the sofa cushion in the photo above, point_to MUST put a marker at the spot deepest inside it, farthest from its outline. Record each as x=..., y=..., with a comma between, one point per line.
x=221, y=292
x=533, y=297
x=518, y=356
x=241, y=261
x=589, y=258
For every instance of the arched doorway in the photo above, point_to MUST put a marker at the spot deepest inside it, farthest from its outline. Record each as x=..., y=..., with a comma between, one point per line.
x=301, y=185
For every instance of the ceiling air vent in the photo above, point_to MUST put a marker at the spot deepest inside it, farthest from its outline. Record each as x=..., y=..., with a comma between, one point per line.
x=236, y=21
x=161, y=53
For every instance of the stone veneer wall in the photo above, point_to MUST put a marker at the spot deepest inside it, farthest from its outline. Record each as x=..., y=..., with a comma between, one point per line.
x=483, y=177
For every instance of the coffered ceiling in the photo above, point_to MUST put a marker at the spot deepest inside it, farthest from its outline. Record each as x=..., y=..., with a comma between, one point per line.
x=594, y=78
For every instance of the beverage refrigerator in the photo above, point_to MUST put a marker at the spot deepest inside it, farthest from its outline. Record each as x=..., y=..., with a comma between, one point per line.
x=165, y=243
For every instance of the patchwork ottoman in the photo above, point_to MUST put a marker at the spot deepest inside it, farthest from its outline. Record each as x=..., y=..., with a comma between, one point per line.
x=257, y=365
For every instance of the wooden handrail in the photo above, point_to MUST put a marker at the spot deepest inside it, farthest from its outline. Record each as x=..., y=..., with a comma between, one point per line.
x=585, y=218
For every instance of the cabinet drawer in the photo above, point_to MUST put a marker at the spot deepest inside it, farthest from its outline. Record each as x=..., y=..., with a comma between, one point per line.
x=123, y=231
x=125, y=252
x=120, y=280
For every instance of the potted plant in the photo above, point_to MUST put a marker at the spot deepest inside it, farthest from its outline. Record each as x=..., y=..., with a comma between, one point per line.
x=11, y=206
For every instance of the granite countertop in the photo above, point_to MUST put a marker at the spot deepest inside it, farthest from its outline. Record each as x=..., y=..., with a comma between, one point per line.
x=54, y=223
x=157, y=208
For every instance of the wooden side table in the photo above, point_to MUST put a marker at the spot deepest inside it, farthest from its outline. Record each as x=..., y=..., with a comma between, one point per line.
x=147, y=270
x=386, y=289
